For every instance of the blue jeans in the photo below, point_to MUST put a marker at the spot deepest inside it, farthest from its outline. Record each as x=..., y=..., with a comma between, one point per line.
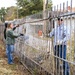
x=6, y=47
x=6, y=51
x=60, y=51
x=10, y=50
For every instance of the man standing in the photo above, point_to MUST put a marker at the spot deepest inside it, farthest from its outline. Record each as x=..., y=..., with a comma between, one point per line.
x=60, y=38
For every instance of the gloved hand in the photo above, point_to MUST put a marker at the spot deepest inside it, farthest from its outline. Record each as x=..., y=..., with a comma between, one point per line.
x=21, y=34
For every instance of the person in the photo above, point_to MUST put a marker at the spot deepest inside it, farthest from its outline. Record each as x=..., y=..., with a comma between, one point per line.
x=6, y=23
x=10, y=41
x=60, y=39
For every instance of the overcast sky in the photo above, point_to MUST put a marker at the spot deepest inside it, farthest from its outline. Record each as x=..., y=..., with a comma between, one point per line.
x=57, y=2
x=8, y=3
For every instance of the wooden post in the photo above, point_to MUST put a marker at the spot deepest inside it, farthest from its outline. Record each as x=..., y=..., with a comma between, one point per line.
x=45, y=2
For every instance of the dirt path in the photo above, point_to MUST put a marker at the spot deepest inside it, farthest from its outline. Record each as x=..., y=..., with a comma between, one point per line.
x=6, y=69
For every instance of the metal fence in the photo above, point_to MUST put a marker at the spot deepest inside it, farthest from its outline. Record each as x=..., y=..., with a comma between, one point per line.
x=1, y=32
x=37, y=50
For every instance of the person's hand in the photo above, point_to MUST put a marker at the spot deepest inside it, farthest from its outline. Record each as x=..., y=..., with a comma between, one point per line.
x=59, y=42
x=21, y=34
x=17, y=25
x=47, y=35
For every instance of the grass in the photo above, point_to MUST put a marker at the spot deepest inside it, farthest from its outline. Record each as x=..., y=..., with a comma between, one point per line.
x=6, y=69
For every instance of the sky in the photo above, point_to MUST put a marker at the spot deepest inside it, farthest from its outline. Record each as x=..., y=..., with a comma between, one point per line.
x=57, y=2
x=8, y=3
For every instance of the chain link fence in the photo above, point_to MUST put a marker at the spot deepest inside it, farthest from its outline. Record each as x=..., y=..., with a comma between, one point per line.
x=2, y=32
